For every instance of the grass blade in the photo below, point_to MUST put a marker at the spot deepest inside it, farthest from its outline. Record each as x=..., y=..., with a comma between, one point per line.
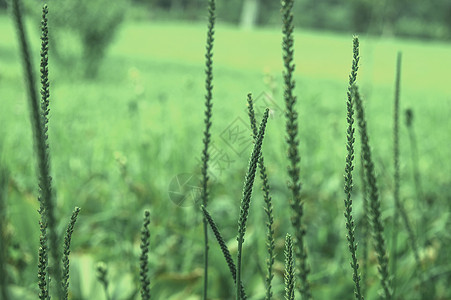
x=207, y=135
x=268, y=209
x=365, y=229
x=350, y=226
x=246, y=198
x=293, y=143
x=375, y=209
x=224, y=249
x=39, y=121
x=396, y=176
x=144, y=259
x=66, y=252
x=289, y=275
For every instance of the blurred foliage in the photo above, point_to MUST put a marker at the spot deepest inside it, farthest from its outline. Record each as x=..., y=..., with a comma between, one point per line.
x=416, y=18
x=93, y=24
x=118, y=141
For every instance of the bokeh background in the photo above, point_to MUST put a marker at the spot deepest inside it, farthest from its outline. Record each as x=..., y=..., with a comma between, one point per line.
x=126, y=121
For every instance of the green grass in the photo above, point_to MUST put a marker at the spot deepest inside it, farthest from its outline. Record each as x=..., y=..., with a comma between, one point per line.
x=145, y=113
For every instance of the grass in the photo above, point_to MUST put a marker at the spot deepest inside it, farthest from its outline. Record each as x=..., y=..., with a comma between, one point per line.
x=142, y=114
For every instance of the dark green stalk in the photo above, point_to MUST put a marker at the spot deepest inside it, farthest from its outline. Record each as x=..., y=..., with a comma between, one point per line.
x=39, y=120
x=375, y=209
x=365, y=229
x=66, y=251
x=268, y=209
x=415, y=167
x=414, y=246
x=293, y=143
x=43, y=262
x=3, y=240
x=224, y=249
x=144, y=259
x=289, y=275
x=102, y=276
x=414, y=151
x=207, y=135
x=396, y=176
x=246, y=198
x=350, y=226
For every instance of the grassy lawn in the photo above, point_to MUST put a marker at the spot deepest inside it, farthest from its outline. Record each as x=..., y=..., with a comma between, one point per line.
x=118, y=142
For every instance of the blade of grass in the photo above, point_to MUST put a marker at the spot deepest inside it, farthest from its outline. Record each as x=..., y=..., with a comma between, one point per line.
x=375, y=209
x=207, y=135
x=39, y=121
x=396, y=176
x=293, y=143
x=224, y=249
x=102, y=276
x=289, y=276
x=66, y=252
x=246, y=198
x=144, y=259
x=268, y=209
x=365, y=229
x=416, y=172
x=350, y=226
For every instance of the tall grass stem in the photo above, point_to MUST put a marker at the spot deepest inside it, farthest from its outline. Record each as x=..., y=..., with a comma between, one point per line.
x=207, y=134
x=350, y=226
x=39, y=120
x=289, y=276
x=366, y=233
x=374, y=201
x=416, y=173
x=293, y=144
x=396, y=173
x=224, y=249
x=246, y=198
x=144, y=258
x=66, y=251
x=268, y=208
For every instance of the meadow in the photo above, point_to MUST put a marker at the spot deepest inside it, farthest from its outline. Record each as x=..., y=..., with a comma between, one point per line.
x=118, y=144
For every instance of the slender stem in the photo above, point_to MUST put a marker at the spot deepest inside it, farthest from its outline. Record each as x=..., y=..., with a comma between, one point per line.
x=66, y=252
x=396, y=174
x=365, y=229
x=416, y=173
x=268, y=209
x=207, y=135
x=224, y=249
x=289, y=276
x=293, y=143
x=376, y=222
x=238, y=276
x=246, y=198
x=350, y=225
x=144, y=260
x=39, y=119
x=102, y=276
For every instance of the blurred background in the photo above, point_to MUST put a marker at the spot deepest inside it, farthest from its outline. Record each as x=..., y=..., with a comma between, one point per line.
x=127, y=107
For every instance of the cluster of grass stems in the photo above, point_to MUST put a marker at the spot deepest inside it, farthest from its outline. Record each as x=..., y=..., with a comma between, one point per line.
x=296, y=259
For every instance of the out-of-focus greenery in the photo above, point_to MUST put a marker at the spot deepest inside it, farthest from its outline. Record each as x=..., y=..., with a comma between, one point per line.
x=414, y=18
x=118, y=141
x=89, y=25
x=425, y=19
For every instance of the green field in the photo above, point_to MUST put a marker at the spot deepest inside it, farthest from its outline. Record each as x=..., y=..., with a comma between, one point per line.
x=117, y=143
